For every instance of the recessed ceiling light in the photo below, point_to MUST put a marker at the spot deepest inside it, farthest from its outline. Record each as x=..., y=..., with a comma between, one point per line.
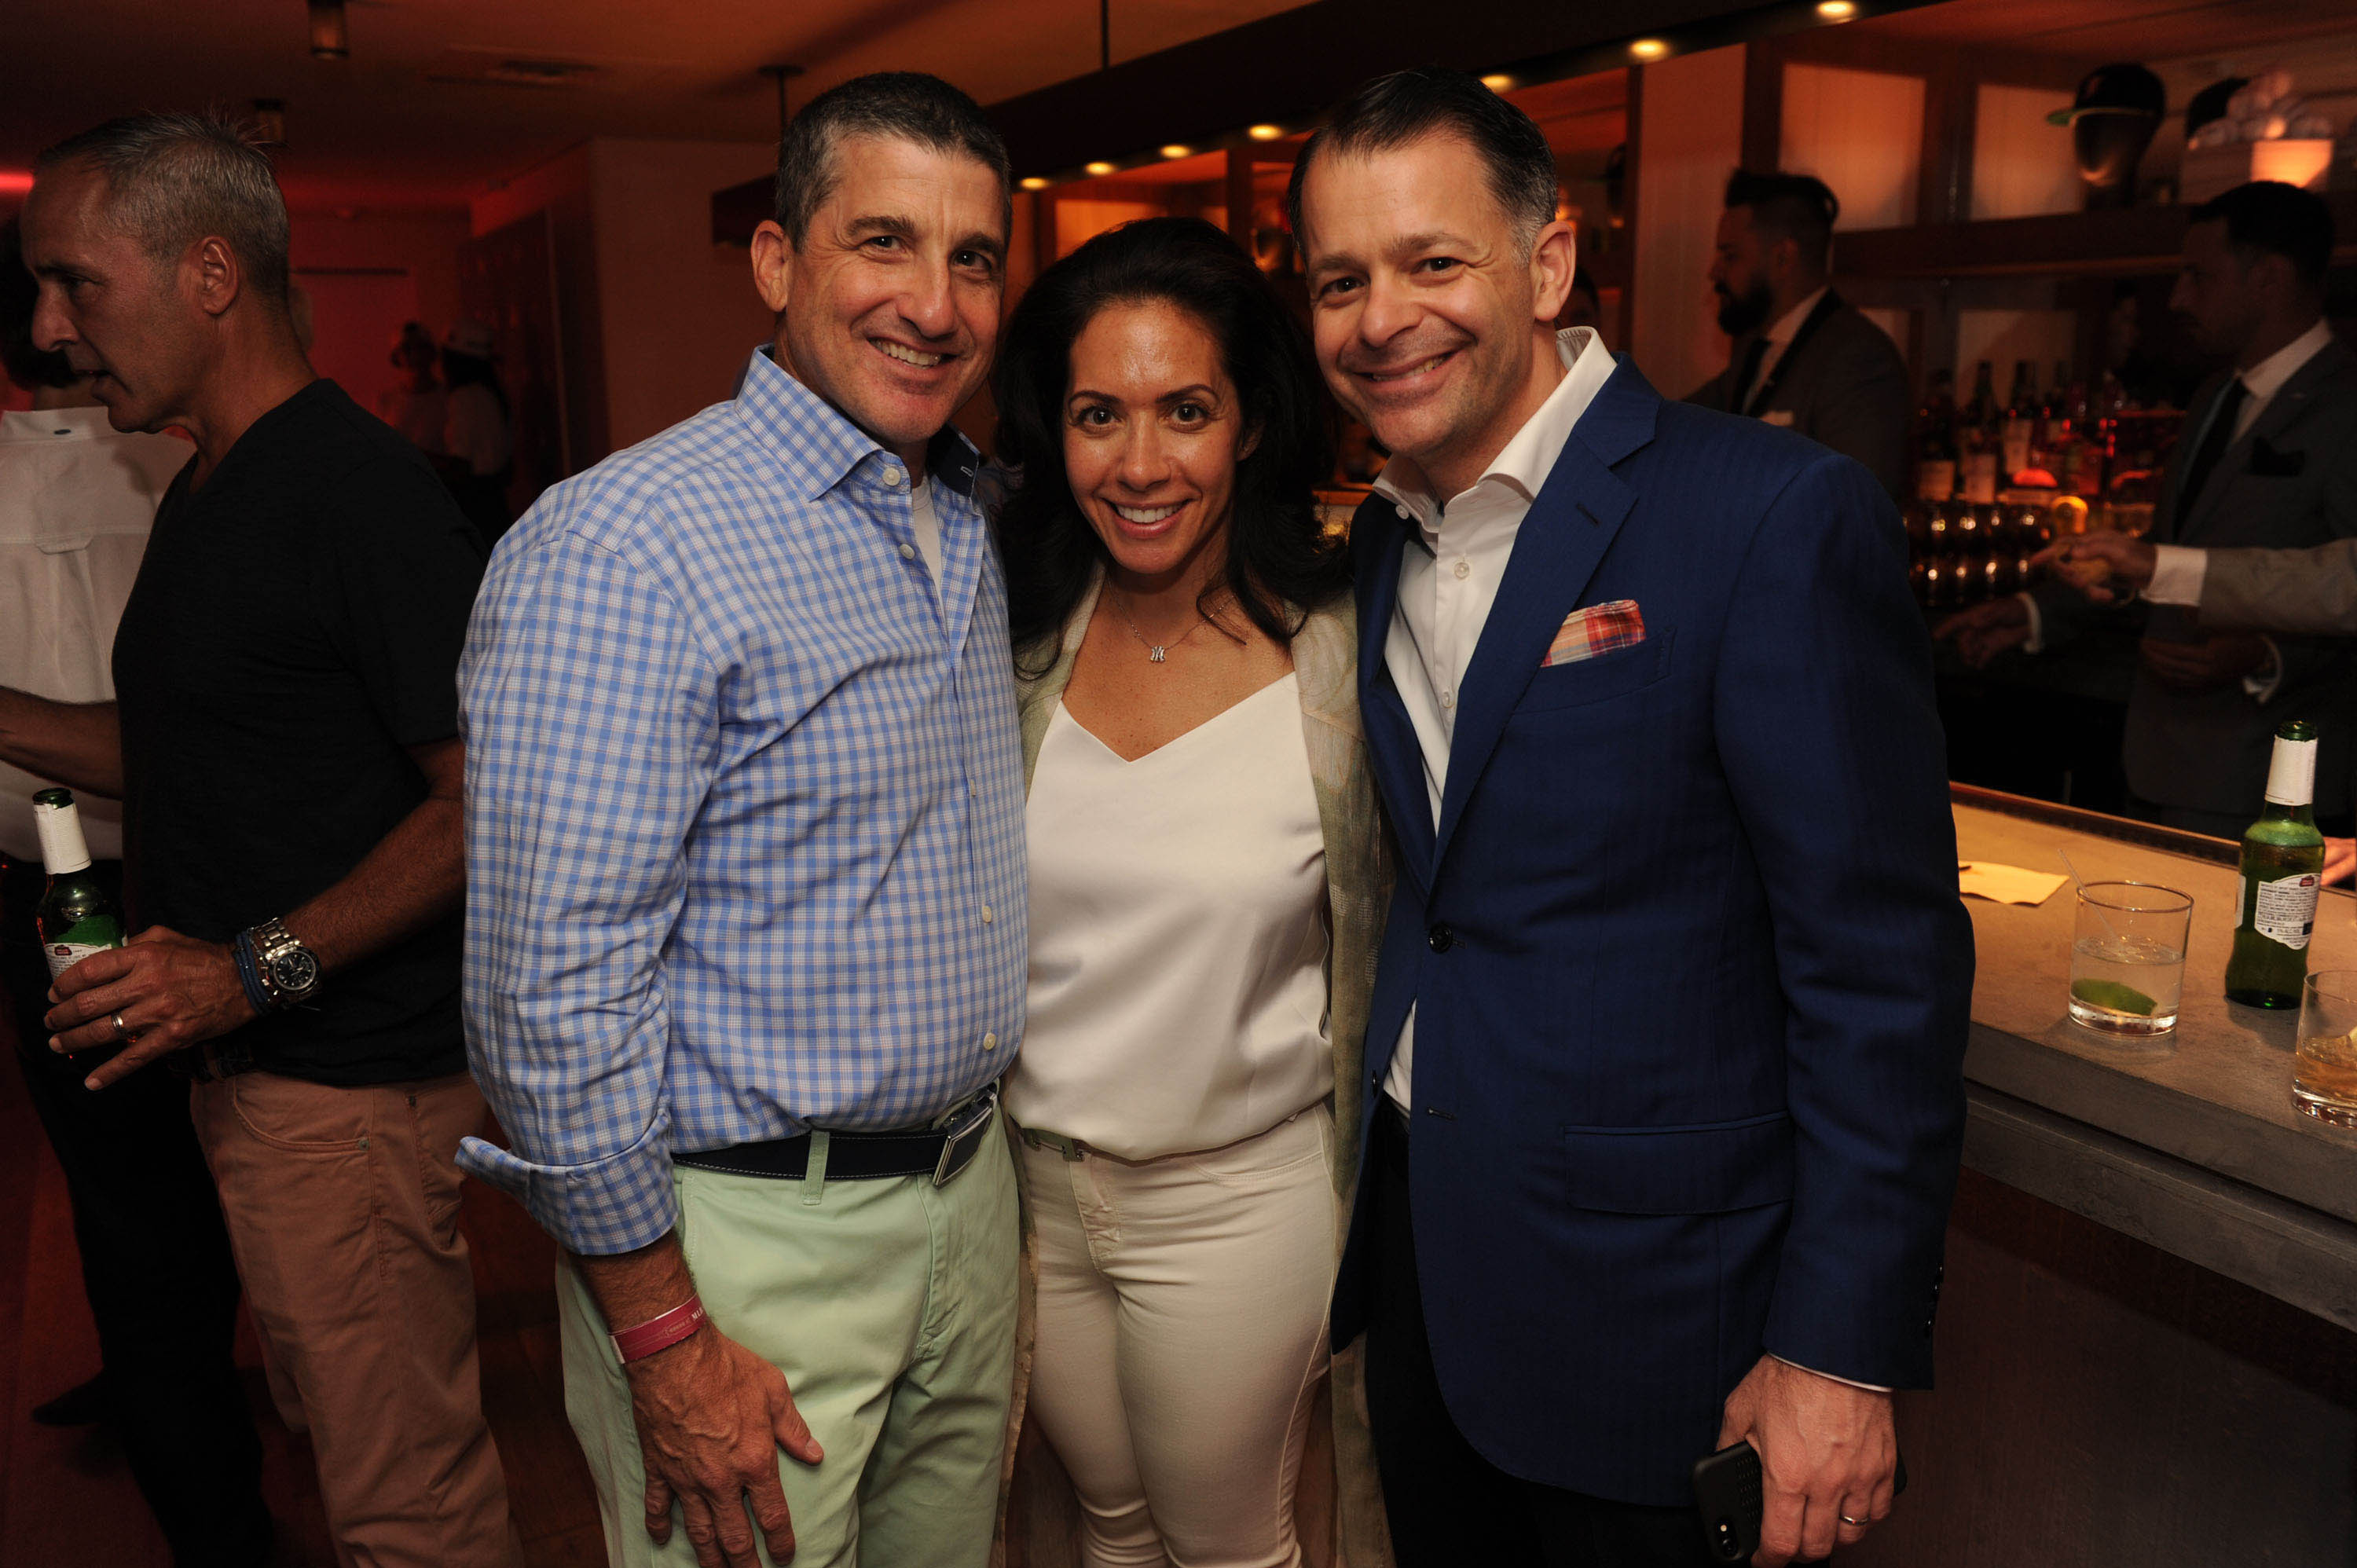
x=1265, y=133
x=328, y=39
x=1100, y=169
x=1177, y=150
x=1033, y=182
x=1648, y=49
x=268, y=121
x=1837, y=10
x=1497, y=82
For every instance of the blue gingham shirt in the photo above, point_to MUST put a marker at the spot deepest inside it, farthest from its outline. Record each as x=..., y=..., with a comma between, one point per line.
x=744, y=809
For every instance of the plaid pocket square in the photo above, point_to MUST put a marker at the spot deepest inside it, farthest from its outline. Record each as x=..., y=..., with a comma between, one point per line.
x=1598, y=629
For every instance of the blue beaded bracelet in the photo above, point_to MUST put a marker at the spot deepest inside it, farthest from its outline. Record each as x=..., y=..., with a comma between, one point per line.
x=248, y=974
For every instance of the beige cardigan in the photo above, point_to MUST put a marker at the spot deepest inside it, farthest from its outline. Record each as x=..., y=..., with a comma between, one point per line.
x=1339, y=1507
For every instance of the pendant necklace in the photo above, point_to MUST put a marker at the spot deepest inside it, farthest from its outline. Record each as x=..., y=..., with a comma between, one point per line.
x=1156, y=652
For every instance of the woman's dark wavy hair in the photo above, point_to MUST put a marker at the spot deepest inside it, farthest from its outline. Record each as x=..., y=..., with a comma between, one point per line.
x=1279, y=562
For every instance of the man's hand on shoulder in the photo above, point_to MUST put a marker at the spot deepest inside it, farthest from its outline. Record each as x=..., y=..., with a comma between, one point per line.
x=711, y=1417
x=169, y=992
x=1828, y=1452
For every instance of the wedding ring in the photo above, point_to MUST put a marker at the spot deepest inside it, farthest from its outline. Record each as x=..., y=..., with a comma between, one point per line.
x=122, y=1029
x=1847, y=1520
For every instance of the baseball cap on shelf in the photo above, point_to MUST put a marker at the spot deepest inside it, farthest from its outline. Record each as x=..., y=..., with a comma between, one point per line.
x=2120, y=88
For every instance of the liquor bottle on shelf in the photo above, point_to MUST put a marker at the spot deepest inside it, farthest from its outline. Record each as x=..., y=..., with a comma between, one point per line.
x=1935, y=441
x=2020, y=423
x=1915, y=517
x=1927, y=556
x=76, y=917
x=2050, y=439
x=1969, y=553
x=2083, y=454
x=2282, y=872
x=1980, y=433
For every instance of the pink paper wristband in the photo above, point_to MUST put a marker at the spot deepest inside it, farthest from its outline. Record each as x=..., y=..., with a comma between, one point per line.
x=661, y=1332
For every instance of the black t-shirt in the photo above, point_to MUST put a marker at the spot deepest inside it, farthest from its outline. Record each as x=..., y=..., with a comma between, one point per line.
x=295, y=626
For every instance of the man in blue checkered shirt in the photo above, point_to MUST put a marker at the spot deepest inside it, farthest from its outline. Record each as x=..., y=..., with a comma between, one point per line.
x=745, y=927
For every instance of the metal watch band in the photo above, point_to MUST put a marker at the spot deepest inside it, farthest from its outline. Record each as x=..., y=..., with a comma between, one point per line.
x=272, y=942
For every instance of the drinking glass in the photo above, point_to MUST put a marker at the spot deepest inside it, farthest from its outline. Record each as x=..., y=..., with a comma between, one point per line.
x=2127, y=957
x=2324, y=1071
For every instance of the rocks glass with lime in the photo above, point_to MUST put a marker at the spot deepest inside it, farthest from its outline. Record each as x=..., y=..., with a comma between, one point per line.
x=2127, y=957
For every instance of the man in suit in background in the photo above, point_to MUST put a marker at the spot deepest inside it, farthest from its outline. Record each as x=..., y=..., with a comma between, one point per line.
x=1666, y=1037
x=2311, y=590
x=1801, y=358
x=2269, y=458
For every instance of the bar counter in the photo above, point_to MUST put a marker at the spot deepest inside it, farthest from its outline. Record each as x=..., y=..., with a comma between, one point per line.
x=2189, y=1140
x=2147, y=1345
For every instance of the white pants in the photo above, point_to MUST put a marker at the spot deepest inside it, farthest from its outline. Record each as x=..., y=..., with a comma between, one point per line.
x=1181, y=1335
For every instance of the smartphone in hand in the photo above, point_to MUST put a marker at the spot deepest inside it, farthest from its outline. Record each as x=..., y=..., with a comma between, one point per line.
x=1727, y=1495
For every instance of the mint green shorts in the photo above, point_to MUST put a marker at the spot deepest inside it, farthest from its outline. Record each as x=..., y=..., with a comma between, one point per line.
x=889, y=1305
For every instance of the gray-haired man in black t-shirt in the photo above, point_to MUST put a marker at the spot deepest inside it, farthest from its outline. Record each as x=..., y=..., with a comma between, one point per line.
x=285, y=740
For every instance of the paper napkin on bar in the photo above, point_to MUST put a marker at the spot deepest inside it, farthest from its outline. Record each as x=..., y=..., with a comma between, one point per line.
x=2006, y=884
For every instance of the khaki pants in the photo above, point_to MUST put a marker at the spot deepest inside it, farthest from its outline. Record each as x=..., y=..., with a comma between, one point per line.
x=343, y=1215
x=889, y=1305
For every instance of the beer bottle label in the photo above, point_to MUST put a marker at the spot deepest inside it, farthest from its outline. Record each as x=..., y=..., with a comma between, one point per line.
x=63, y=956
x=2284, y=910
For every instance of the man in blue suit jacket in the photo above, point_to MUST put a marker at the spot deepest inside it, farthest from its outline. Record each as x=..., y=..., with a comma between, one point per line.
x=1672, y=999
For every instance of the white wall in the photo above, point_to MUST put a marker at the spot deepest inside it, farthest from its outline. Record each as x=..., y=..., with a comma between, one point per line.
x=1861, y=131
x=1690, y=140
x=2022, y=165
x=366, y=272
x=679, y=312
x=674, y=314
x=541, y=187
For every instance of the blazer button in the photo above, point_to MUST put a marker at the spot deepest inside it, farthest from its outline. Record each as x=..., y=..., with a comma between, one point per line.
x=1442, y=939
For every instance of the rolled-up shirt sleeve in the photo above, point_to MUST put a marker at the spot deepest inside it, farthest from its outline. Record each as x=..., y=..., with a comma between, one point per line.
x=592, y=735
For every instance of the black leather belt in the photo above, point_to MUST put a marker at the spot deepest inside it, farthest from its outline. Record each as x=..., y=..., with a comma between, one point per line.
x=939, y=1152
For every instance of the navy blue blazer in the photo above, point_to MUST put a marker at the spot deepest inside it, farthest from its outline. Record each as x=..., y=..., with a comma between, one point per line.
x=1691, y=975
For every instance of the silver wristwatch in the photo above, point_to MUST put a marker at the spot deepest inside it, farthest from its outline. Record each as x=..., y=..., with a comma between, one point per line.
x=289, y=971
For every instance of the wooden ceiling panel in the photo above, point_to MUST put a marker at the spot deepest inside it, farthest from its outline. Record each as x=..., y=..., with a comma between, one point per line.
x=2119, y=29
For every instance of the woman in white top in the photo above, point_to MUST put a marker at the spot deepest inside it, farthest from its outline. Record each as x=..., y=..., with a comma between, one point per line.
x=1205, y=862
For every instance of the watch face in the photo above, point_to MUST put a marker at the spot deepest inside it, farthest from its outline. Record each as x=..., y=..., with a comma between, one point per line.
x=295, y=972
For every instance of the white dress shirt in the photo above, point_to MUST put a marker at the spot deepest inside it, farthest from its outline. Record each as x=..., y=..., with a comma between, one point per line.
x=1446, y=588
x=1780, y=343
x=76, y=501
x=1178, y=981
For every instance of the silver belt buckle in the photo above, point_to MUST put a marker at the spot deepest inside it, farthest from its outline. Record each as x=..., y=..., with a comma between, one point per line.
x=963, y=1135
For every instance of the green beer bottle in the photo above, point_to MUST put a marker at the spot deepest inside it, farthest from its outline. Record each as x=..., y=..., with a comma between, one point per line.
x=2282, y=872
x=76, y=917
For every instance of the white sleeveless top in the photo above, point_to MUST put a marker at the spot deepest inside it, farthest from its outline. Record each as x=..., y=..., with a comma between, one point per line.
x=1178, y=988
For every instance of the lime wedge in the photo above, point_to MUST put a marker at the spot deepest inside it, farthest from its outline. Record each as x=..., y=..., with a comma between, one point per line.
x=2111, y=994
